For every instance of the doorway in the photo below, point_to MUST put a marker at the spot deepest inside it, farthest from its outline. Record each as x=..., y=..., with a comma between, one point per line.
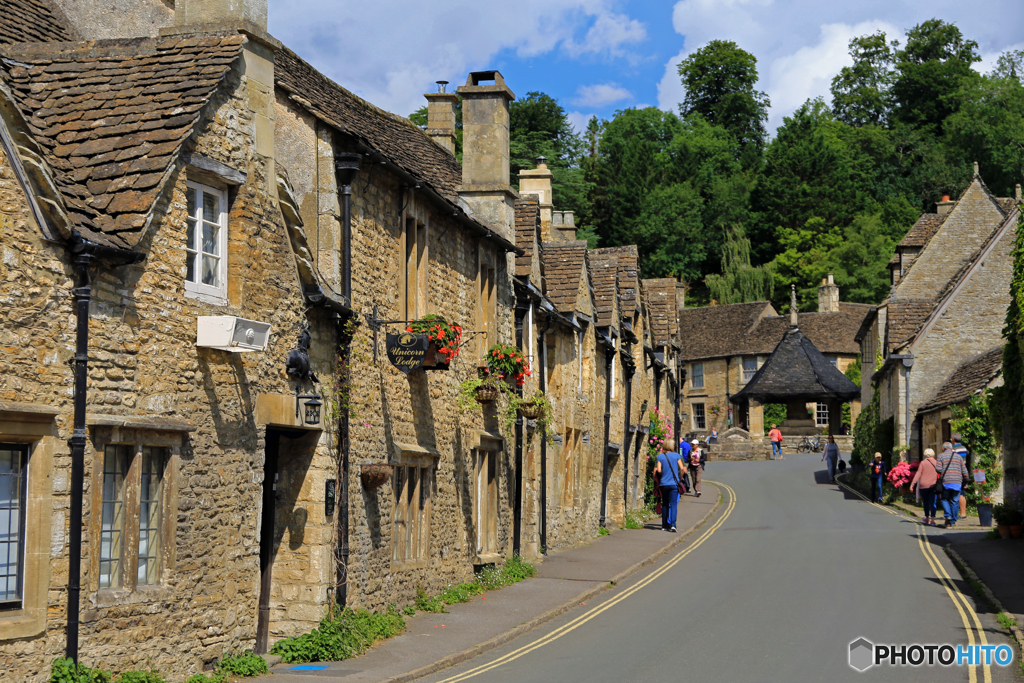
x=267, y=511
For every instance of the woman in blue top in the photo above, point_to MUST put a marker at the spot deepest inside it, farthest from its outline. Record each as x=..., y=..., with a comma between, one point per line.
x=667, y=471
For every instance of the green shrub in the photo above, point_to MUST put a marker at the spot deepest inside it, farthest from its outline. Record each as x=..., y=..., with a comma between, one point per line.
x=514, y=571
x=215, y=677
x=461, y=593
x=64, y=670
x=152, y=676
x=426, y=603
x=343, y=634
x=602, y=531
x=409, y=611
x=247, y=664
x=636, y=517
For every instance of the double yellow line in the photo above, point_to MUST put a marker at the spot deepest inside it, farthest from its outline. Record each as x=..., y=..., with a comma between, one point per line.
x=960, y=601
x=593, y=612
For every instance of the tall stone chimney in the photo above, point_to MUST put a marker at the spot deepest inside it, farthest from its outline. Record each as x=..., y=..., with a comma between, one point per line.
x=563, y=226
x=441, y=116
x=828, y=296
x=485, y=155
x=235, y=12
x=943, y=207
x=537, y=181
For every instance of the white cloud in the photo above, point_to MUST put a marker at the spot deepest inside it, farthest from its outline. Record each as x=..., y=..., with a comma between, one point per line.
x=391, y=51
x=600, y=95
x=988, y=59
x=801, y=44
x=578, y=120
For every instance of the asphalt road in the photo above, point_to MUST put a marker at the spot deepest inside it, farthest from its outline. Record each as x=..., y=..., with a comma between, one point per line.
x=774, y=589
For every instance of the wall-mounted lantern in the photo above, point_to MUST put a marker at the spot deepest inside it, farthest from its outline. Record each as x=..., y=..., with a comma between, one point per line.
x=312, y=410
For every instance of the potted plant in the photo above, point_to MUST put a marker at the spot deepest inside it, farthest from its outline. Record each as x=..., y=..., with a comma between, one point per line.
x=534, y=407
x=1004, y=516
x=985, y=512
x=506, y=362
x=901, y=475
x=444, y=338
x=374, y=475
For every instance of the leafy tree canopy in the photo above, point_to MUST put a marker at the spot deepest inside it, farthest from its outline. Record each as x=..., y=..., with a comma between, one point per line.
x=861, y=92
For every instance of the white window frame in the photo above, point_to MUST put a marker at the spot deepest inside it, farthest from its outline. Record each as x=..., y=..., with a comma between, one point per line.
x=218, y=294
x=694, y=375
x=743, y=368
x=700, y=417
x=821, y=414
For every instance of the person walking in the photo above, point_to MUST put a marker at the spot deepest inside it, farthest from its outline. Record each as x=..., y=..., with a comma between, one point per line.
x=924, y=480
x=695, y=466
x=684, y=449
x=832, y=455
x=953, y=475
x=876, y=470
x=958, y=447
x=667, y=472
x=775, y=436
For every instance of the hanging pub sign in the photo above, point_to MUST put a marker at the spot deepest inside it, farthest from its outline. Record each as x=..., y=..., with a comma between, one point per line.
x=406, y=351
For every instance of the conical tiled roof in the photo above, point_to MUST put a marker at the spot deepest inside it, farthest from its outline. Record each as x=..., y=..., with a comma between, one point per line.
x=796, y=370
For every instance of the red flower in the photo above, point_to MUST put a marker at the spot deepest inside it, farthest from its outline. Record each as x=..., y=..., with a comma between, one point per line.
x=408, y=329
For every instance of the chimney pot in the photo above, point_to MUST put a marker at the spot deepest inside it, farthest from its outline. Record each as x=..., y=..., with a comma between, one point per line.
x=556, y=219
x=828, y=295
x=943, y=207
x=441, y=86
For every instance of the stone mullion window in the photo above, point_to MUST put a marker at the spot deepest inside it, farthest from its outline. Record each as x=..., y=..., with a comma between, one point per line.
x=150, y=489
x=13, y=490
x=112, y=523
x=486, y=503
x=487, y=299
x=699, y=416
x=415, y=276
x=697, y=376
x=413, y=486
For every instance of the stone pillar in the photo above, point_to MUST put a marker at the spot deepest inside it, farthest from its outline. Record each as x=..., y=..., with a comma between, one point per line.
x=441, y=118
x=537, y=182
x=755, y=417
x=485, y=154
x=828, y=296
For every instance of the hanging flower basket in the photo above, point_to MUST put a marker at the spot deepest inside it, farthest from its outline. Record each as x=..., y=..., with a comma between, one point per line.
x=507, y=362
x=531, y=410
x=444, y=337
x=487, y=393
x=435, y=360
x=375, y=475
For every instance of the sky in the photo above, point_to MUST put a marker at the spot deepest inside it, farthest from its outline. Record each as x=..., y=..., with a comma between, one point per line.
x=599, y=56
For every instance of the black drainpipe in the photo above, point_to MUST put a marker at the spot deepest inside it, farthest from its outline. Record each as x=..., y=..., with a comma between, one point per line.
x=345, y=168
x=630, y=370
x=84, y=252
x=517, y=500
x=542, y=344
x=657, y=386
x=609, y=359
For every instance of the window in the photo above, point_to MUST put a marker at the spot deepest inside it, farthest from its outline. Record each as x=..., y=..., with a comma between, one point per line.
x=571, y=463
x=834, y=360
x=699, y=417
x=821, y=415
x=488, y=301
x=13, y=479
x=132, y=495
x=749, y=368
x=206, y=243
x=412, y=513
x=486, y=504
x=414, y=277
x=697, y=375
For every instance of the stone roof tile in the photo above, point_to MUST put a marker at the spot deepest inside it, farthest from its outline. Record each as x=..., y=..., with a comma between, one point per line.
x=527, y=216
x=922, y=230
x=661, y=293
x=905, y=319
x=30, y=21
x=564, y=263
x=110, y=168
x=972, y=377
x=604, y=267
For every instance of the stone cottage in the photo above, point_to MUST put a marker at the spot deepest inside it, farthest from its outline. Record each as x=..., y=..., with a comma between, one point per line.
x=723, y=347
x=950, y=291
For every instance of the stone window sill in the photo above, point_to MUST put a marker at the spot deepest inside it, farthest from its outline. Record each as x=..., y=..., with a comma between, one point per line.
x=108, y=597
x=406, y=565
x=22, y=623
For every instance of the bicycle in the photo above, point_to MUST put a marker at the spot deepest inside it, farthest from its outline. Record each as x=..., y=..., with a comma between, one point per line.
x=809, y=445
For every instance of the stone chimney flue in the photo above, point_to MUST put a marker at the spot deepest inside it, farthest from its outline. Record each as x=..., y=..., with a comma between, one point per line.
x=943, y=207
x=441, y=116
x=485, y=152
x=537, y=181
x=234, y=12
x=828, y=295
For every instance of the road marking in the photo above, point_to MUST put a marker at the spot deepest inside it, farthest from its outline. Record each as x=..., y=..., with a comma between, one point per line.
x=951, y=589
x=593, y=612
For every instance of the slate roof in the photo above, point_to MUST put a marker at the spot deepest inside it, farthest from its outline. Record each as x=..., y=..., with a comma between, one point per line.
x=755, y=329
x=970, y=378
x=796, y=370
x=112, y=116
x=395, y=137
x=604, y=267
x=661, y=294
x=30, y=21
x=564, y=263
x=905, y=319
x=922, y=230
x=628, y=269
x=527, y=213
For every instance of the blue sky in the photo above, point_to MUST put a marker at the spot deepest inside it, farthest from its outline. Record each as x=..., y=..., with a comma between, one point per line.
x=597, y=56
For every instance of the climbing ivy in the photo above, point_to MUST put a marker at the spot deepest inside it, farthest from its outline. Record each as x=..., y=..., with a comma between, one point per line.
x=974, y=423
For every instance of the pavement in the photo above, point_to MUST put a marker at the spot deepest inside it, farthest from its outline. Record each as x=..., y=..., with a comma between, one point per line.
x=565, y=580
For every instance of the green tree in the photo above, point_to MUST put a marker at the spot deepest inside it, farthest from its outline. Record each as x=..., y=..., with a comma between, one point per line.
x=740, y=282
x=860, y=261
x=931, y=72
x=719, y=80
x=669, y=232
x=861, y=92
x=805, y=259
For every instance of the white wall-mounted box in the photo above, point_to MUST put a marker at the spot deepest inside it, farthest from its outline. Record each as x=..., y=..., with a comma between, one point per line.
x=229, y=333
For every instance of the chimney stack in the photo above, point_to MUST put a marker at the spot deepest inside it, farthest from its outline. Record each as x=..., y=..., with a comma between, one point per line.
x=234, y=12
x=943, y=207
x=441, y=116
x=828, y=296
x=485, y=155
x=537, y=182
x=792, y=306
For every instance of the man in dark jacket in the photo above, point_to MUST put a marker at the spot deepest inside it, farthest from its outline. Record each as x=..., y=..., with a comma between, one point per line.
x=876, y=470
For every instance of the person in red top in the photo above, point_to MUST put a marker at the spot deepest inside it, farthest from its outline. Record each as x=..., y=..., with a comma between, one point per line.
x=775, y=436
x=924, y=480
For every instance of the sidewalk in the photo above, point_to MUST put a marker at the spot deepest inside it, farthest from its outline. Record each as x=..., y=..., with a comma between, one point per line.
x=997, y=563
x=432, y=642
